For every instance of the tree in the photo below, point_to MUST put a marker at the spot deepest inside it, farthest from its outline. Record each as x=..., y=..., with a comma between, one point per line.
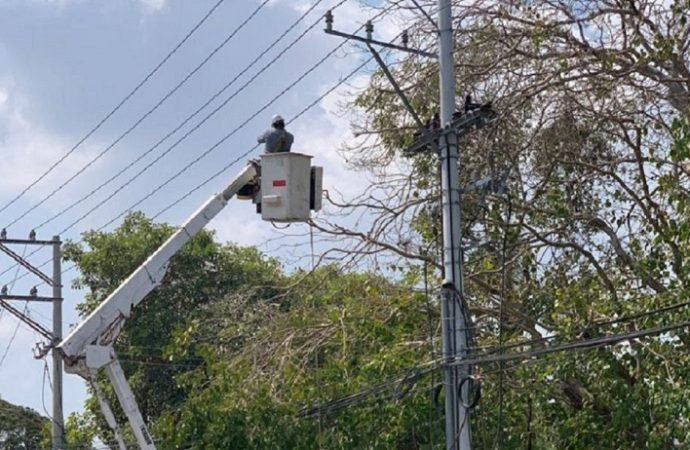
x=263, y=361
x=278, y=374
x=592, y=141
x=202, y=273
x=20, y=428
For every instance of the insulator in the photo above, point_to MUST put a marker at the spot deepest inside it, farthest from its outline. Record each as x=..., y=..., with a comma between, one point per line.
x=4, y=290
x=405, y=38
x=3, y=234
x=33, y=292
x=329, y=20
x=32, y=235
x=369, y=28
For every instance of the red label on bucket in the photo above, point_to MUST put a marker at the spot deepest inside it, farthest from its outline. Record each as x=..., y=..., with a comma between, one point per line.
x=279, y=183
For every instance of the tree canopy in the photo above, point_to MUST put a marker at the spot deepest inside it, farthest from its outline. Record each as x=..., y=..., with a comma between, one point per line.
x=20, y=428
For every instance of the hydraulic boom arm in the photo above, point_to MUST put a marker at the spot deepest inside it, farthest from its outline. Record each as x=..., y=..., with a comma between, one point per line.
x=89, y=346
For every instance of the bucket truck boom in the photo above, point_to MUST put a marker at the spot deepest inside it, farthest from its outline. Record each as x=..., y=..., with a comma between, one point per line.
x=89, y=346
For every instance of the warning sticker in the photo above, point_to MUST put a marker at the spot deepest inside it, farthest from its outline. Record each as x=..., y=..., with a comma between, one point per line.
x=279, y=183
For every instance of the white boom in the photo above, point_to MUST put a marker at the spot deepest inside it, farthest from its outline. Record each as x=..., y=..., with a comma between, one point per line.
x=89, y=346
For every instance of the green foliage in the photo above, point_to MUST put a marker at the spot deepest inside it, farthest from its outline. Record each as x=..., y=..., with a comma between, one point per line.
x=21, y=428
x=202, y=273
x=340, y=334
x=244, y=351
x=80, y=431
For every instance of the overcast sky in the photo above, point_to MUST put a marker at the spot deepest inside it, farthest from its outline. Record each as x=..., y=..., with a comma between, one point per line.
x=64, y=64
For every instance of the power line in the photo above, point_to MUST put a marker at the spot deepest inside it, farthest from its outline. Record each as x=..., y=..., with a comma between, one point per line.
x=19, y=322
x=235, y=130
x=650, y=313
x=13, y=337
x=307, y=108
x=142, y=118
x=184, y=122
x=235, y=161
x=115, y=109
x=342, y=81
x=432, y=366
x=381, y=13
x=585, y=344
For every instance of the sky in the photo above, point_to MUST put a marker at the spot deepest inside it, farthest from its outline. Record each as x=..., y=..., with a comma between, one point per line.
x=65, y=64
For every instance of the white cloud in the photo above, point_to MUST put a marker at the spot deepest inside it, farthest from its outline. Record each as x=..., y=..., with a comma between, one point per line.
x=323, y=137
x=240, y=224
x=26, y=149
x=148, y=5
x=153, y=5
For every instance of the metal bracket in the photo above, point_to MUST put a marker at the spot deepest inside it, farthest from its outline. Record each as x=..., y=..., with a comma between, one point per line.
x=369, y=28
x=29, y=298
x=463, y=125
x=5, y=240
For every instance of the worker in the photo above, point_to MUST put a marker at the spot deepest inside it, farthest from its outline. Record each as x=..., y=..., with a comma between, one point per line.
x=277, y=140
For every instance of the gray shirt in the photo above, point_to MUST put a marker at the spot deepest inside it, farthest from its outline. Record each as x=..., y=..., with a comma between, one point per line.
x=277, y=141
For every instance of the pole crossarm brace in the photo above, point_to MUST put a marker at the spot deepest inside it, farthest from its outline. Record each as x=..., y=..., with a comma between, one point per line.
x=397, y=88
x=426, y=14
x=25, y=264
x=29, y=298
x=369, y=41
x=28, y=320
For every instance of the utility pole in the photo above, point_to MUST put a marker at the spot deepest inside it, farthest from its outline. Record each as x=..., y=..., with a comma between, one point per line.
x=453, y=324
x=58, y=422
x=55, y=336
x=443, y=140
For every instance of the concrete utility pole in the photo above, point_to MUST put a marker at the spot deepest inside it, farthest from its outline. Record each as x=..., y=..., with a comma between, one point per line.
x=54, y=337
x=452, y=316
x=58, y=422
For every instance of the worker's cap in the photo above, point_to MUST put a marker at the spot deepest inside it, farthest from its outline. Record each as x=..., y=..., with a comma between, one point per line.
x=277, y=118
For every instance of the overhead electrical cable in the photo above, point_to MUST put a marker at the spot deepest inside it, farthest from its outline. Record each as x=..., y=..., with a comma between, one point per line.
x=235, y=161
x=342, y=81
x=238, y=128
x=26, y=307
x=115, y=109
x=297, y=81
x=377, y=16
x=301, y=36
x=190, y=117
x=603, y=341
x=424, y=369
x=141, y=119
x=622, y=319
x=226, y=137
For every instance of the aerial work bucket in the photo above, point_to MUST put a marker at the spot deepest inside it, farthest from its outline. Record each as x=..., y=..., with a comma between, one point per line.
x=290, y=187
